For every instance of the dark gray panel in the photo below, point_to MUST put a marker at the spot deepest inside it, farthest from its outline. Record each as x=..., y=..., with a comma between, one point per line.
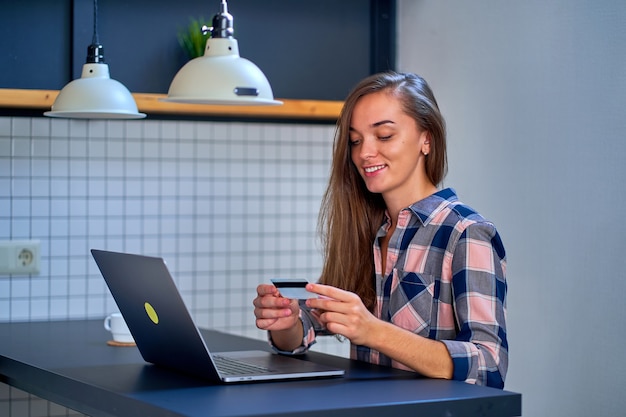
x=307, y=49
x=34, y=39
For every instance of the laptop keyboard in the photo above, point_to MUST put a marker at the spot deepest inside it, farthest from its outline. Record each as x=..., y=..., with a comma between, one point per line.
x=229, y=366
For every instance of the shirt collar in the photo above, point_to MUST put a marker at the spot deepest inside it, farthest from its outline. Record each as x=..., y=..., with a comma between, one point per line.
x=427, y=208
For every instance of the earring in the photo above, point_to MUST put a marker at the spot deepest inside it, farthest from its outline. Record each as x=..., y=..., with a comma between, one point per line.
x=425, y=153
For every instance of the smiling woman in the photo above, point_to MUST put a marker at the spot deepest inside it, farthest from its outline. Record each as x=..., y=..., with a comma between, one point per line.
x=383, y=144
x=412, y=277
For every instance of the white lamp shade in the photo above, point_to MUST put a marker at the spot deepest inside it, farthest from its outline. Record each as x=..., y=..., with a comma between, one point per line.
x=221, y=77
x=95, y=96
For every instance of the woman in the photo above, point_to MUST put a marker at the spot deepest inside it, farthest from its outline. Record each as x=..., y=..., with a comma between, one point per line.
x=412, y=277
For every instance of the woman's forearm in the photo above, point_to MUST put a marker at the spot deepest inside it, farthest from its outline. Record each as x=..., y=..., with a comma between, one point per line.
x=288, y=339
x=425, y=356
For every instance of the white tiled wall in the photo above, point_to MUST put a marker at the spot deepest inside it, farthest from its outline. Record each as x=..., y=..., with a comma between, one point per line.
x=227, y=204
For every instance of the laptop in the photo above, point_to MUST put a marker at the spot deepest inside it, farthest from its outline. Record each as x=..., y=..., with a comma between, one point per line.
x=166, y=334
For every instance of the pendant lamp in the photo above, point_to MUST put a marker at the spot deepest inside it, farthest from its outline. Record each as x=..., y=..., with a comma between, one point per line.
x=95, y=95
x=221, y=76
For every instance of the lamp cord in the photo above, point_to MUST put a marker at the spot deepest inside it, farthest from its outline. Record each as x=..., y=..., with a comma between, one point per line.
x=95, y=39
x=95, y=51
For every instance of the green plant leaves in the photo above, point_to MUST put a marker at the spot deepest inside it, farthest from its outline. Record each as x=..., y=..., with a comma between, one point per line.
x=191, y=38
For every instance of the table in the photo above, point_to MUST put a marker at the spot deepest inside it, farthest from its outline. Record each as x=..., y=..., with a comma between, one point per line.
x=69, y=363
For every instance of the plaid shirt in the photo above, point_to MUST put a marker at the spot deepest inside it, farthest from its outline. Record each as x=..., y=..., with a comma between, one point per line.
x=445, y=280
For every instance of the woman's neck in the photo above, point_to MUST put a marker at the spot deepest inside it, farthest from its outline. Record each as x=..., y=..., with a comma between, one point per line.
x=395, y=204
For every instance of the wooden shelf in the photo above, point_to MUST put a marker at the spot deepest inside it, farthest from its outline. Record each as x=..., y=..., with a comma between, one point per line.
x=149, y=103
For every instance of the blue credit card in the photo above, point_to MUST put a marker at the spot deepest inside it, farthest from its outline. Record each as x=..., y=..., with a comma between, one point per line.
x=293, y=288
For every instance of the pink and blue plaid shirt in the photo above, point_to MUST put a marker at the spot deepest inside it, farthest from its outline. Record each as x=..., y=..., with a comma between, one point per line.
x=445, y=280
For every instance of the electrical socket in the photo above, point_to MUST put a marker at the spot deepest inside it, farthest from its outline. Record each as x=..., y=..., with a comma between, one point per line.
x=19, y=257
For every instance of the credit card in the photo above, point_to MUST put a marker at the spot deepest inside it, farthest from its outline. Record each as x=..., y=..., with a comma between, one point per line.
x=293, y=288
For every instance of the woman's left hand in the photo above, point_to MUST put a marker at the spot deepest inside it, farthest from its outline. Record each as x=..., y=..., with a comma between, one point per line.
x=342, y=312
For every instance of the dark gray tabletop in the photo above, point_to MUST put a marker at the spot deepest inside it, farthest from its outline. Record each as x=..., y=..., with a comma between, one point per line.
x=69, y=362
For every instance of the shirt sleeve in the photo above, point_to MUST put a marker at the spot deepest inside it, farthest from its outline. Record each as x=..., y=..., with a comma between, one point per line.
x=480, y=349
x=311, y=327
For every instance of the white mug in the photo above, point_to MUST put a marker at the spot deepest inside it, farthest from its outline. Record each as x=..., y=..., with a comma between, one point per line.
x=117, y=326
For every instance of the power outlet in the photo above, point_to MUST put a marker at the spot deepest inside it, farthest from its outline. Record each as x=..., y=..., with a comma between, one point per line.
x=19, y=257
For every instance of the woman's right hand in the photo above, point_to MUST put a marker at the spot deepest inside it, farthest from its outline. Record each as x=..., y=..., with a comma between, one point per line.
x=274, y=312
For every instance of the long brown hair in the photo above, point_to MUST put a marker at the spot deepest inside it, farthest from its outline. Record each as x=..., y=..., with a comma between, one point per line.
x=350, y=214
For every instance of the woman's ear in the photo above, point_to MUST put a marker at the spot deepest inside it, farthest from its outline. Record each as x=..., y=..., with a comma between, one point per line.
x=426, y=143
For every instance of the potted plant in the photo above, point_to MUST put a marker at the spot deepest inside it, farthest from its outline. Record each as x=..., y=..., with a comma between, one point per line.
x=192, y=39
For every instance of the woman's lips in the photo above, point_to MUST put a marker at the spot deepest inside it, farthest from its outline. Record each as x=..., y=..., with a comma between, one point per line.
x=373, y=169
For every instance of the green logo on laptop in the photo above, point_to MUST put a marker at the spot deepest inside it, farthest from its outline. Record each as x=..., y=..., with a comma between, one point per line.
x=151, y=313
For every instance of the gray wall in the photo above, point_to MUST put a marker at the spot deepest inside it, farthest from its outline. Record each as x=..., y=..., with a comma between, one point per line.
x=534, y=94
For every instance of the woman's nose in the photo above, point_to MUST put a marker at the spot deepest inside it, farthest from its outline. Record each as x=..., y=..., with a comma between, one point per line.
x=368, y=149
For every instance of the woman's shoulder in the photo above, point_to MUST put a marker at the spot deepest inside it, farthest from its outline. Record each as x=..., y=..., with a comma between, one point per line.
x=445, y=208
x=455, y=211
x=465, y=213
x=457, y=221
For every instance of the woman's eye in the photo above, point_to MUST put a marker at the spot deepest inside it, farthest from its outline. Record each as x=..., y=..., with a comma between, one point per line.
x=354, y=142
x=385, y=137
